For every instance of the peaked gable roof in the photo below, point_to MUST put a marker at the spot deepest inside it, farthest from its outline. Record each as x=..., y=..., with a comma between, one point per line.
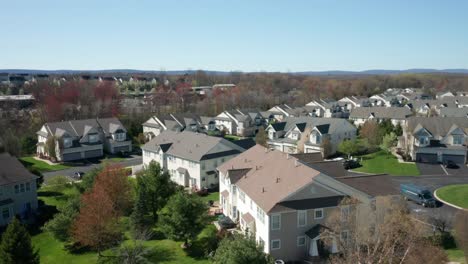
x=437, y=126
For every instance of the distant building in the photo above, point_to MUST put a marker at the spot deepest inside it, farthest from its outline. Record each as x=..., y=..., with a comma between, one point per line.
x=18, y=191
x=82, y=139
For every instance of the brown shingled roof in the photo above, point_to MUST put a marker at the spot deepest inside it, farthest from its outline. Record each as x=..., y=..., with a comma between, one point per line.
x=273, y=176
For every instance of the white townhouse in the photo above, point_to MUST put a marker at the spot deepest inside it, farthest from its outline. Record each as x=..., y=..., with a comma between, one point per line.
x=307, y=134
x=397, y=115
x=285, y=203
x=191, y=158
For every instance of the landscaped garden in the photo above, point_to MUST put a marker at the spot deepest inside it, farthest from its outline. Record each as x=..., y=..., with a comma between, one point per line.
x=41, y=166
x=454, y=194
x=54, y=247
x=384, y=162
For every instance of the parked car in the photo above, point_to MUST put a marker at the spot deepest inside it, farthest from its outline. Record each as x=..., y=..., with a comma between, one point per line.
x=350, y=164
x=451, y=165
x=79, y=175
x=124, y=154
x=417, y=194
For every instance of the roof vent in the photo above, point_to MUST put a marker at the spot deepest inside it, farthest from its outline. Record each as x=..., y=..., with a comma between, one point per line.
x=263, y=189
x=277, y=180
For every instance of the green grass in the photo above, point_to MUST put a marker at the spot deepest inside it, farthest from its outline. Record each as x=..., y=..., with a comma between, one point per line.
x=214, y=196
x=383, y=162
x=162, y=250
x=455, y=194
x=456, y=255
x=41, y=165
x=232, y=137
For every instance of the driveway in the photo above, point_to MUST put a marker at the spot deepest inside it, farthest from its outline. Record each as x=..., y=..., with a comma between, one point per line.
x=88, y=166
x=439, y=169
x=432, y=183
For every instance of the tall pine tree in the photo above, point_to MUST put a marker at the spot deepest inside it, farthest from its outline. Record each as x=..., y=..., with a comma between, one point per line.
x=16, y=246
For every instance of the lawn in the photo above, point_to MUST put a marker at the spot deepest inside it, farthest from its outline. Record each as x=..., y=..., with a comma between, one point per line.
x=214, y=196
x=161, y=250
x=456, y=255
x=232, y=137
x=455, y=194
x=383, y=162
x=41, y=165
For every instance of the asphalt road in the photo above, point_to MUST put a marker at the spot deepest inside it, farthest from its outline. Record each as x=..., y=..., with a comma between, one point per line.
x=135, y=160
x=432, y=183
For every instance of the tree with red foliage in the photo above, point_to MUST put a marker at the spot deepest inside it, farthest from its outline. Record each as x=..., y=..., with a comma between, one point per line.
x=97, y=224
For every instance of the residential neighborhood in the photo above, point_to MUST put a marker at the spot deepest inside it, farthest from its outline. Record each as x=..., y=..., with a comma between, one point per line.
x=234, y=132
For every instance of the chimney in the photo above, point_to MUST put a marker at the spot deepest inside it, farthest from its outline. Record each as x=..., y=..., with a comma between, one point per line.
x=277, y=180
x=256, y=167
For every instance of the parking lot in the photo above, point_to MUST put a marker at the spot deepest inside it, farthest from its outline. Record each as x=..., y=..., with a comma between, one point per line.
x=432, y=183
x=439, y=169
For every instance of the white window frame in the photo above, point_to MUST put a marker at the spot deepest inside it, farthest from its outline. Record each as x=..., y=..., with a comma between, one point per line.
x=318, y=210
x=93, y=138
x=260, y=215
x=67, y=142
x=274, y=241
x=460, y=137
x=299, y=212
x=298, y=239
x=346, y=209
x=279, y=222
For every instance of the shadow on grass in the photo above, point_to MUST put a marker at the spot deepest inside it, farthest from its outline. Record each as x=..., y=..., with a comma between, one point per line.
x=202, y=247
x=158, y=255
x=49, y=193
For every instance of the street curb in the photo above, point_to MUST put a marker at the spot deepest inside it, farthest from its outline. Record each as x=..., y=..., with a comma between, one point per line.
x=447, y=203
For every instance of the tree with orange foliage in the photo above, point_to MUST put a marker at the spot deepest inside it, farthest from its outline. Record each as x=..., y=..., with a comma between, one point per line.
x=97, y=226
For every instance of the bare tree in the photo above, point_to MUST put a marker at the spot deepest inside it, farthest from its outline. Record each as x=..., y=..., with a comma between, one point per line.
x=390, y=235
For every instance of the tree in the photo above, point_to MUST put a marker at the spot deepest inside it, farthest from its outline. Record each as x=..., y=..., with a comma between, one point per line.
x=16, y=246
x=28, y=144
x=389, y=141
x=371, y=131
x=461, y=231
x=238, y=249
x=391, y=235
x=154, y=186
x=60, y=225
x=183, y=217
x=348, y=147
x=137, y=218
x=50, y=147
x=97, y=224
x=261, y=137
x=398, y=130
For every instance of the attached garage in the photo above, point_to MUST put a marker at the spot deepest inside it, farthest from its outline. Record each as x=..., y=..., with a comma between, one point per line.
x=459, y=159
x=426, y=158
x=71, y=156
x=121, y=148
x=93, y=153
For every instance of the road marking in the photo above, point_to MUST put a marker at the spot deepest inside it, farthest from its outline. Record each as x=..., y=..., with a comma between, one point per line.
x=442, y=166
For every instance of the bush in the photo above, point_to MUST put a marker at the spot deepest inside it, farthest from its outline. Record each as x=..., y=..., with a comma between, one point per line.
x=58, y=182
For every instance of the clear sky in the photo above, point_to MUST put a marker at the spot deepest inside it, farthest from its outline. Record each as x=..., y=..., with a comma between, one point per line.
x=250, y=35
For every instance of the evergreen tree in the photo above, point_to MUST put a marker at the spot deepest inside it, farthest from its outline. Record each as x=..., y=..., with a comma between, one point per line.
x=16, y=246
x=261, y=137
x=137, y=218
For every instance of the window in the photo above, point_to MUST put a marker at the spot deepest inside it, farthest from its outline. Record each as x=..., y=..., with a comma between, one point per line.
x=275, y=244
x=120, y=136
x=261, y=243
x=301, y=218
x=318, y=213
x=28, y=186
x=93, y=138
x=234, y=190
x=344, y=236
x=17, y=188
x=422, y=140
x=276, y=222
x=344, y=213
x=260, y=215
x=301, y=240
x=242, y=196
x=251, y=205
x=22, y=187
x=6, y=213
x=67, y=142
x=458, y=139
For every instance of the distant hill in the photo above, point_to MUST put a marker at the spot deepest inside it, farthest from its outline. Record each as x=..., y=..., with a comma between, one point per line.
x=180, y=72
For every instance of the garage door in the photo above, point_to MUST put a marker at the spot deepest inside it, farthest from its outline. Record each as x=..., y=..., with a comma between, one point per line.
x=459, y=159
x=71, y=156
x=426, y=158
x=93, y=153
x=123, y=148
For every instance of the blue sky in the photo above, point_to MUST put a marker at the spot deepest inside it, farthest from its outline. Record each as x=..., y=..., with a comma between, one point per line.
x=251, y=35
